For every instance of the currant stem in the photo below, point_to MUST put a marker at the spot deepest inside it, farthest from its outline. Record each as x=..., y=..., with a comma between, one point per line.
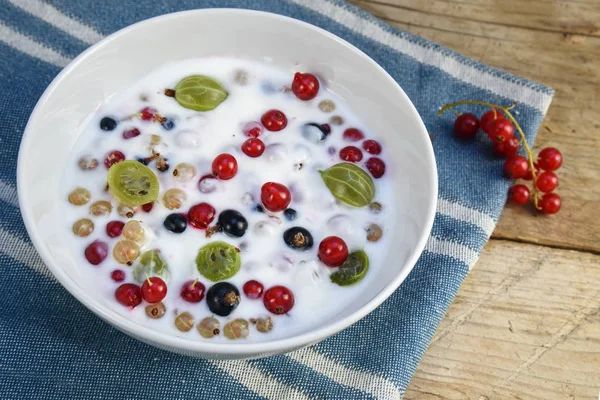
x=193, y=284
x=505, y=110
x=148, y=279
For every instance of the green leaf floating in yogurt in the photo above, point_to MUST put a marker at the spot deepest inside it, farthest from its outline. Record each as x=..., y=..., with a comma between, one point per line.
x=350, y=184
x=200, y=93
x=352, y=270
x=217, y=261
x=151, y=263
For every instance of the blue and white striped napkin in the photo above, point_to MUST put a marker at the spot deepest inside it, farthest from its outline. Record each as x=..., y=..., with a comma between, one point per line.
x=51, y=347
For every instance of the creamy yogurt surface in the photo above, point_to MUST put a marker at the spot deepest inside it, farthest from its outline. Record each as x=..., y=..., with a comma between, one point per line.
x=293, y=157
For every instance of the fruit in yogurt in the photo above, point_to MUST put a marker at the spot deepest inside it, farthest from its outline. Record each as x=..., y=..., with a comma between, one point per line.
x=352, y=270
x=274, y=120
x=333, y=251
x=133, y=183
x=176, y=223
x=201, y=215
x=129, y=295
x=151, y=264
x=223, y=298
x=305, y=86
x=298, y=238
x=192, y=291
x=232, y=223
x=351, y=154
x=208, y=327
x=224, y=166
x=200, y=93
x=349, y=183
x=154, y=289
x=278, y=300
x=236, y=329
x=253, y=289
x=253, y=147
x=96, y=252
x=218, y=261
x=275, y=196
x=108, y=124
x=113, y=158
x=376, y=167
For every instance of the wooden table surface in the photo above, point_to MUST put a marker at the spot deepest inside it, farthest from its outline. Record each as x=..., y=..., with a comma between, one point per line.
x=526, y=322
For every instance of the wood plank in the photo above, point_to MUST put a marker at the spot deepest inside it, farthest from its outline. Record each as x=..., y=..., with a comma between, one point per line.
x=569, y=63
x=571, y=16
x=525, y=324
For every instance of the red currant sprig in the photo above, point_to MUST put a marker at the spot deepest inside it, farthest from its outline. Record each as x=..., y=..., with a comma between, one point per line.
x=501, y=131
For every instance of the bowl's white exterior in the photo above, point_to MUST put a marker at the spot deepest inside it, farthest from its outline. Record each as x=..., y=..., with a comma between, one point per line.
x=125, y=56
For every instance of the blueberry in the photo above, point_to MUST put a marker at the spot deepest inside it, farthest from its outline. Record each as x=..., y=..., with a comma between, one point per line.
x=168, y=124
x=315, y=133
x=108, y=124
x=175, y=223
x=298, y=238
x=232, y=223
x=290, y=214
x=259, y=208
x=222, y=298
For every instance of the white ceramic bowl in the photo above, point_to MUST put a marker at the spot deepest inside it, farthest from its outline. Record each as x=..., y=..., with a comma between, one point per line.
x=125, y=56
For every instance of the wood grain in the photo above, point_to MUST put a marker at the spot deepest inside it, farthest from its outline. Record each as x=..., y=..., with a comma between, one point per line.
x=565, y=60
x=525, y=325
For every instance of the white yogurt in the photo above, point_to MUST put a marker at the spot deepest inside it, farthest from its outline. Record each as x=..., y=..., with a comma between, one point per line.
x=290, y=158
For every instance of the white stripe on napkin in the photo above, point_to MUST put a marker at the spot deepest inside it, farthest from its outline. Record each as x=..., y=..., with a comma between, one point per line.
x=430, y=56
x=466, y=214
x=29, y=46
x=51, y=15
x=377, y=386
x=452, y=249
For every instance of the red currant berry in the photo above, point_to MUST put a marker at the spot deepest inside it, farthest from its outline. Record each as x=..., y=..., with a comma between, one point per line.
x=488, y=119
x=305, y=86
x=193, y=291
x=507, y=148
x=113, y=157
x=351, y=153
x=550, y=203
x=519, y=194
x=528, y=176
x=129, y=295
x=466, y=126
x=201, y=215
x=353, y=135
x=114, y=228
x=147, y=207
x=376, y=167
x=148, y=113
x=274, y=120
x=96, y=252
x=333, y=251
x=117, y=275
x=253, y=147
x=224, y=166
x=131, y=133
x=546, y=182
x=515, y=167
x=501, y=130
x=252, y=129
x=372, y=146
x=253, y=289
x=278, y=300
x=550, y=159
x=275, y=196
x=154, y=289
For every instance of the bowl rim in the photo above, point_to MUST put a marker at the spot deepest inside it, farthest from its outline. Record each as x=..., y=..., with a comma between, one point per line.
x=203, y=347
